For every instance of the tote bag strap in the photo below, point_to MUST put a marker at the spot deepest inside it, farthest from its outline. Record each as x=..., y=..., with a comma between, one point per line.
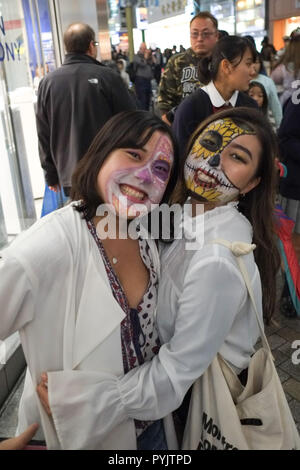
x=239, y=249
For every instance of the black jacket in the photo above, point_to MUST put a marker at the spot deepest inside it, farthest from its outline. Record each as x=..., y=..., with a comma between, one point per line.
x=193, y=110
x=289, y=141
x=74, y=102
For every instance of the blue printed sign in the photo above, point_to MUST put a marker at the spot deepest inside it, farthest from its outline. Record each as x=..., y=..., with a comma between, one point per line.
x=9, y=50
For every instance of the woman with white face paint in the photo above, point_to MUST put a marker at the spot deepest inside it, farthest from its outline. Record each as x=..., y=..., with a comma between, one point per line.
x=85, y=293
x=203, y=306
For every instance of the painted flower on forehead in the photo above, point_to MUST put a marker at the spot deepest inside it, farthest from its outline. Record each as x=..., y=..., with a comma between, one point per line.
x=203, y=171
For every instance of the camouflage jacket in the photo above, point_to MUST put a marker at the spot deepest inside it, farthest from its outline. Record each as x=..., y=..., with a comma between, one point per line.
x=179, y=80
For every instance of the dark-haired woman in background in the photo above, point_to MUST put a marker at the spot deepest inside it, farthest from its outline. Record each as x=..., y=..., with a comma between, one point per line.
x=227, y=74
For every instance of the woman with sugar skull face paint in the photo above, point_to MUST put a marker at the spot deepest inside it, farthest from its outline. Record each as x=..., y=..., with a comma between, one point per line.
x=137, y=184
x=218, y=164
x=85, y=291
x=203, y=307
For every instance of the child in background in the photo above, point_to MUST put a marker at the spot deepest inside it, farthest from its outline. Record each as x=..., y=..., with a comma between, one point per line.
x=270, y=87
x=258, y=93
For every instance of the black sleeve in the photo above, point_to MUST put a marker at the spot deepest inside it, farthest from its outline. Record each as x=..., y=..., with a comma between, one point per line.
x=289, y=132
x=121, y=99
x=189, y=114
x=43, y=131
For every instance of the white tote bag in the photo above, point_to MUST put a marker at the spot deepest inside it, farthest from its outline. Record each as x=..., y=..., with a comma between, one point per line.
x=225, y=415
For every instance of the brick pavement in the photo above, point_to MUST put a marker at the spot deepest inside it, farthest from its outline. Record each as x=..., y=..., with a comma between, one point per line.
x=281, y=338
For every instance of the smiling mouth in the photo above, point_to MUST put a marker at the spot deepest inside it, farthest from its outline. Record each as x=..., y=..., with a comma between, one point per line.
x=203, y=178
x=134, y=194
x=207, y=179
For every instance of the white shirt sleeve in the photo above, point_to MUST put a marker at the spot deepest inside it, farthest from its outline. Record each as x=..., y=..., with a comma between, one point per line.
x=212, y=296
x=16, y=296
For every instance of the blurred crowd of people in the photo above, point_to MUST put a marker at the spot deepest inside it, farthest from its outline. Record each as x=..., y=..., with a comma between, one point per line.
x=160, y=57
x=281, y=66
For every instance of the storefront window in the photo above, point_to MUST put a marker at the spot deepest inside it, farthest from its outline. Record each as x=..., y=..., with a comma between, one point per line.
x=250, y=19
x=223, y=11
x=168, y=24
x=25, y=42
x=40, y=50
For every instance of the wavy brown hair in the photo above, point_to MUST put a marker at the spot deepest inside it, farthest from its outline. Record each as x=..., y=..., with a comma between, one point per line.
x=292, y=56
x=258, y=204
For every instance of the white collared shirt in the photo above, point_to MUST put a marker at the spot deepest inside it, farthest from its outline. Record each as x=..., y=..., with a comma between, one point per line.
x=216, y=99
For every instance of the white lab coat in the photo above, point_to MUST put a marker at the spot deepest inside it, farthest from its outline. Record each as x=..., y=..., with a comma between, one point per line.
x=55, y=291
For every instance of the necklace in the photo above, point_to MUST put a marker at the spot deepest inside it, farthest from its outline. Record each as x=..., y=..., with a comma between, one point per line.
x=108, y=253
x=114, y=259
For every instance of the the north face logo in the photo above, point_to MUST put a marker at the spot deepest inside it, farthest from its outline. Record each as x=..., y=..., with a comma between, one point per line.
x=93, y=80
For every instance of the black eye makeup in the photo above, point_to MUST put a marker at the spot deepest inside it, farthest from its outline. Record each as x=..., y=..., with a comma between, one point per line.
x=134, y=154
x=244, y=126
x=211, y=140
x=161, y=169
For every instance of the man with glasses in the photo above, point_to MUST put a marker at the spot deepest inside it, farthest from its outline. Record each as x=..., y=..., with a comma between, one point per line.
x=74, y=102
x=180, y=77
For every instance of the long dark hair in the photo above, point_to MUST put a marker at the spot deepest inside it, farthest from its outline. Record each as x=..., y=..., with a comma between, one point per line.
x=129, y=129
x=258, y=204
x=231, y=48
